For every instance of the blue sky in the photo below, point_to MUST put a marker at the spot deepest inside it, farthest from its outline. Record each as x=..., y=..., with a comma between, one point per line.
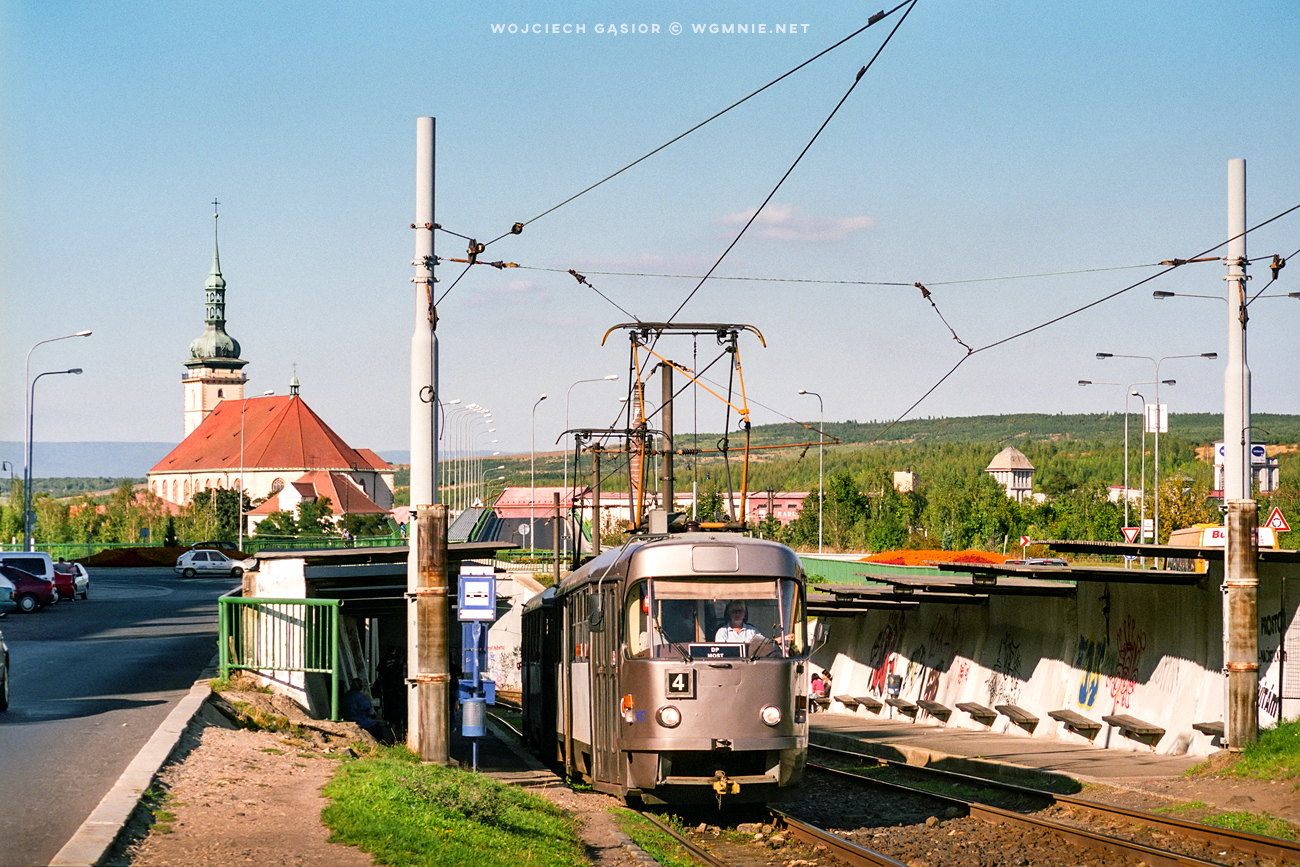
x=1079, y=141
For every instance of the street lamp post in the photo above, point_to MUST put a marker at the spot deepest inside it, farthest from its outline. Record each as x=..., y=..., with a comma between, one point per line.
x=1157, y=362
x=1128, y=392
x=821, y=495
x=568, y=493
x=532, y=473
x=27, y=482
x=27, y=446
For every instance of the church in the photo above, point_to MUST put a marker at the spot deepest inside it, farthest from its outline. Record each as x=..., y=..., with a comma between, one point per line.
x=274, y=447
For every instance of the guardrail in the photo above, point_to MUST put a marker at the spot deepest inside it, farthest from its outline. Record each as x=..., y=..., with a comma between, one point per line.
x=282, y=635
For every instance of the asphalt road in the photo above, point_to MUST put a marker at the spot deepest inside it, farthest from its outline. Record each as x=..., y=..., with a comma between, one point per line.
x=91, y=681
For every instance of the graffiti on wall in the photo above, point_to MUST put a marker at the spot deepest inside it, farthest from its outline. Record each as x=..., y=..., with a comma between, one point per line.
x=1270, y=703
x=1129, y=645
x=880, y=659
x=928, y=661
x=1004, y=679
x=1090, y=659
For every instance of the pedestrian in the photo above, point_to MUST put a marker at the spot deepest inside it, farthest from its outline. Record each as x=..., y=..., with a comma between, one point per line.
x=358, y=708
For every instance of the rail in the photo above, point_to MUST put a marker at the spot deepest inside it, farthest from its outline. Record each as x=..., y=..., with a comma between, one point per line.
x=280, y=635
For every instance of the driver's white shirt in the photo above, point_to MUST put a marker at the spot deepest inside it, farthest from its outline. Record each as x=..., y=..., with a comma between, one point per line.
x=747, y=632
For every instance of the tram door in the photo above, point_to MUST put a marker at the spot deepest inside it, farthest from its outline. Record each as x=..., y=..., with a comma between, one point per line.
x=604, y=689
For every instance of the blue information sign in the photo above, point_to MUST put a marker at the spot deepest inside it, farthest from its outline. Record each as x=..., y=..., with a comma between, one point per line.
x=478, y=593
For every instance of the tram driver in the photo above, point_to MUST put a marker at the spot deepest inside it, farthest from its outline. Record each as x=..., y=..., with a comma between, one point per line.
x=737, y=628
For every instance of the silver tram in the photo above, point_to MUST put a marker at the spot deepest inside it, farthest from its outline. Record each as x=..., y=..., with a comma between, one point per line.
x=673, y=670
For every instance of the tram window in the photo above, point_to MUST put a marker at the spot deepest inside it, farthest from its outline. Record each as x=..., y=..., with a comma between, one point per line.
x=664, y=616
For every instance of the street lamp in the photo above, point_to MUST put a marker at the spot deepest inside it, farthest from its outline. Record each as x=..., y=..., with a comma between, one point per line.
x=1157, y=362
x=532, y=474
x=27, y=411
x=613, y=377
x=821, y=495
x=1129, y=392
x=27, y=481
x=1160, y=296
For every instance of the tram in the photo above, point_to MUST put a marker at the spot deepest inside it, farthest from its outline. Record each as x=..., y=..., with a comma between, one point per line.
x=673, y=670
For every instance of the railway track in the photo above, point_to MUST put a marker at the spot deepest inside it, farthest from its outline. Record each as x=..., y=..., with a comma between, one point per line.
x=1226, y=844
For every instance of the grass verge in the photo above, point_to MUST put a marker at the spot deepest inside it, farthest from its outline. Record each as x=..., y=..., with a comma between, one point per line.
x=664, y=849
x=406, y=813
x=1252, y=823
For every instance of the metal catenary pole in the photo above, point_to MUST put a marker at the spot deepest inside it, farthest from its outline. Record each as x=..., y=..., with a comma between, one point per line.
x=1241, y=556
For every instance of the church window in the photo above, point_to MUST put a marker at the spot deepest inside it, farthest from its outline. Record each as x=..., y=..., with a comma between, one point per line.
x=187, y=489
x=219, y=394
x=277, y=486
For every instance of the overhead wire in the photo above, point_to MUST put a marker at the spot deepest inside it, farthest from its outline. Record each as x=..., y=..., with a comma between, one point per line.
x=911, y=4
x=870, y=22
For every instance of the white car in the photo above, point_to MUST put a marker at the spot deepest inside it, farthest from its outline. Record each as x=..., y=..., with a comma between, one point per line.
x=205, y=560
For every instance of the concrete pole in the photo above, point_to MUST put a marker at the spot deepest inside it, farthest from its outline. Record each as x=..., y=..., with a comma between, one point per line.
x=666, y=410
x=1241, y=587
x=426, y=582
x=429, y=717
x=1240, y=557
x=1236, y=375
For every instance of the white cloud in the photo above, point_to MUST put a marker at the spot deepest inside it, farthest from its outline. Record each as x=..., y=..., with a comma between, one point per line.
x=784, y=222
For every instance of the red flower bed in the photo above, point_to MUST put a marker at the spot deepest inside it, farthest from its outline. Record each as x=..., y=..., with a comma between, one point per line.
x=926, y=557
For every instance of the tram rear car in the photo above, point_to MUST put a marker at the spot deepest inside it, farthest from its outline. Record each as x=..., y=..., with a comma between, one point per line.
x=639, y=681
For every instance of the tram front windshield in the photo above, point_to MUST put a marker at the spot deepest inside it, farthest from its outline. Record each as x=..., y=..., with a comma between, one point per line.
x=758, y=618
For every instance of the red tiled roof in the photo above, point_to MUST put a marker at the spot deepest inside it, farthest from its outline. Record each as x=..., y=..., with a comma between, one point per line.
x=346, y=497
x=278, y=432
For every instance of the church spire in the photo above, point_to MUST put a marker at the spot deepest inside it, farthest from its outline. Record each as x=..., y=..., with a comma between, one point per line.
x=213, y=370
x=215, y=342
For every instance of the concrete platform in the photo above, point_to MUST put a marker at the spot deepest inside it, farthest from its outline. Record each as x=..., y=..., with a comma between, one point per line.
x=1012, y=758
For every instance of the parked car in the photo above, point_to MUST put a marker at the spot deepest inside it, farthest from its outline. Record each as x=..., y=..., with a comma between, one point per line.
x=191, y=563
x=7, y=602
x=4, y=673
x=72, y=579
x=36, y=563
x=30, y=592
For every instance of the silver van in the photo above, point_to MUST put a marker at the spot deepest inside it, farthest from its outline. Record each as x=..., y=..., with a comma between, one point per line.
x=36, y=563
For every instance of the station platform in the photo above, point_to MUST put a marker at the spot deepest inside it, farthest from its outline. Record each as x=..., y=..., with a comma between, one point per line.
x=1015, y=758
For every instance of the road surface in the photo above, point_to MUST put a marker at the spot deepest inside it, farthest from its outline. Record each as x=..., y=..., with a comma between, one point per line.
x=91, y=681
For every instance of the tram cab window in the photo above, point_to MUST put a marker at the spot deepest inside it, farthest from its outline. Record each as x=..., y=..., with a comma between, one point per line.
x=664, y=616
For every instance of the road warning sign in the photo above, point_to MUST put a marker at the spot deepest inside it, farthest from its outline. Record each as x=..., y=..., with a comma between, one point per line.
x=1024, y=541
x=1131, y=534
x=1276, y=521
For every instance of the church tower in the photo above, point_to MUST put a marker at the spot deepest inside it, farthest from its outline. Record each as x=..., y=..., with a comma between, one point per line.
x=213, y=372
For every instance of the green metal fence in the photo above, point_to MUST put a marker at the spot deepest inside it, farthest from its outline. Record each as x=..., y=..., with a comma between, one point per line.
x=281, y=635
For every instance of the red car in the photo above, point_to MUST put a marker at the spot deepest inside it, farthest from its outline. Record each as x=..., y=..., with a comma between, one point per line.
x=30, y=592
x=65, y=581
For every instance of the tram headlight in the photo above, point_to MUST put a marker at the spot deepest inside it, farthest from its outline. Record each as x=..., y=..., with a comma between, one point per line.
x=771, y=714
x=669, y=716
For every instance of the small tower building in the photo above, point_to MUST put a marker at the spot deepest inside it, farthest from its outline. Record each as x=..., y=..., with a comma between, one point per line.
x=1013, y=472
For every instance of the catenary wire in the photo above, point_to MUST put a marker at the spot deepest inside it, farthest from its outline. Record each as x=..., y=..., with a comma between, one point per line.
x=870, y=22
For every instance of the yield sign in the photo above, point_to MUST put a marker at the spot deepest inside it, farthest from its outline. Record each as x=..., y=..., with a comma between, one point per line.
x=1024, y=541
x=1131, y=533
x=1277, y=522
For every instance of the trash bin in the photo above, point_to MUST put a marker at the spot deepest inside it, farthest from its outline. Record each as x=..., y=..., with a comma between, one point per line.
x=473, y=718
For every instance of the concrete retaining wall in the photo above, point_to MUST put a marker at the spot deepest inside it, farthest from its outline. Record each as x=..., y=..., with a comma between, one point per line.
x=1146, y=651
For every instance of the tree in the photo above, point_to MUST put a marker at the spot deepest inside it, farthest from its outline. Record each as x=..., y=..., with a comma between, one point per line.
x=277, y=525
x=212, y=514
x=314, y=518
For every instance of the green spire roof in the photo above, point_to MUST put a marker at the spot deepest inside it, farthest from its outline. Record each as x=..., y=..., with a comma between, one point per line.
x=214, y=342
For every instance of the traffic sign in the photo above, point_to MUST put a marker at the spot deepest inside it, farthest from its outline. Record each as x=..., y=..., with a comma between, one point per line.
x=1131, y=534
x=1276, y=521
x=1024, y=541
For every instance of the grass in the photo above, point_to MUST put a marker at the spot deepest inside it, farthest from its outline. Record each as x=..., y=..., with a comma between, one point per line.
x=664, y=849
x=1275, y=756
x=1253, y=823
x=407, y=813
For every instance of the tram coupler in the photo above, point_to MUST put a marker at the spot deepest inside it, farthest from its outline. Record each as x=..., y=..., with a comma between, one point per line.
x=724, y=786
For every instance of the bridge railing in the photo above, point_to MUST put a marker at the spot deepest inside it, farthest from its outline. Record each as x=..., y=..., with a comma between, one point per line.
x=280, y=635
